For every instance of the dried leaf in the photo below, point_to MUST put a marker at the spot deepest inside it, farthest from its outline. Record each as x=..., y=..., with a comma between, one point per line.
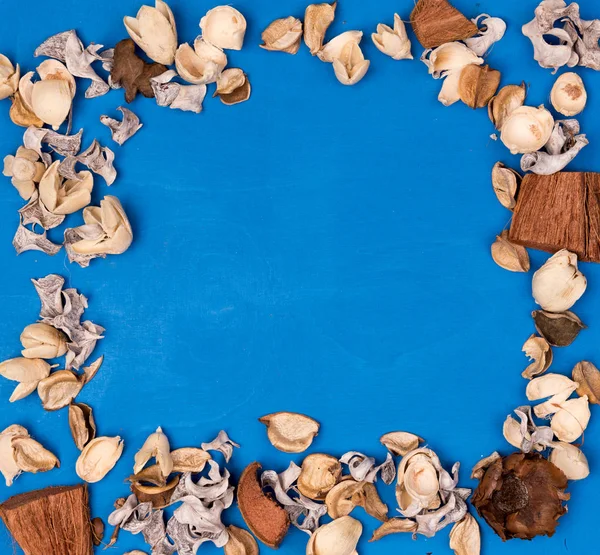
x=90, y=371
x=290, y=432
x=510, y=256
x=477, y=85
x=122, y=131
x=317, y=19
x=98, y=458
x=319, y=474
x=283, y=35
x=538, y=350
x=31, y=456
x=400, y=443
x=59, y=389
x=157, y=447
x=506, y=183
x=465, y=537
x=26, y=240
x=221, y=443
x=240, y=542
x=82, y=424
x=508, y=99
x=394, y=526
x=560, y=330
x=588, y=378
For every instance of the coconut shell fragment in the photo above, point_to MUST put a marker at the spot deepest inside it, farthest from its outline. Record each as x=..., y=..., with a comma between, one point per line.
x=436, y=22
x=267, y=520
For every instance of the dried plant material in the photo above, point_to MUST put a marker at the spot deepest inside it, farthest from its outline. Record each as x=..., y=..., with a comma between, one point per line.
x=345, y=496
x=394, y=526
x=98, y=458
x=122, y=131
x=393, y=42
x=158, y=496
x=25, y=171
x=418, y=481
x=400, y=443
x=223, y=444
x=339, y=537
x=563, y=136
x=240, y=542
x=149, y=475
x=319, y=474
x=510, y=256
x=556, y=387
x=570, y=460
x=27, y=240
x=479, y=469
x=31, y=456
x=449, y=57
x=22, y=113
x=82, y=424
x=544, y=163
x=539, y=352
x=351, y=65
x=560, y=330
x=59, y=389
x=465, y=537
x=9, y=77
x=224, y=27
x=491, y=30
x=436, y=22
x=63, y=310
x=267, y=520
x=154, y=31
x=35, y=213
x=558, y=284
x=334, y=48
x=521, y=496
x=106, y=231
x=8, y=465
x=283, y=35
x=317, y=19
x=133, y=73
x=477, y=85
x=188, y=98
x=189, y=459
x=527, y=129
x=200, y=65
x=508, y=99
x=65, y=145
x=588, y=378
x=525, y=434
x=568, y=95
x=90, y=371
x=505, y=182
x=27, y=371
x=363, y=468
x=290, y=432
x=569, y=423
x=43, y=341
x=156, y=446
x=233, y=87
x=97, y=531
x=65, y=197
x=99, y=159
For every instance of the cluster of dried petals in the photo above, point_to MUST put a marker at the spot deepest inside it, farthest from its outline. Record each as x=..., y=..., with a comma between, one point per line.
x=156, y=446
x=539, y=352
x=123, y=130
x=363, y=468
x=98, y=458
x=154, y=31
x=233, y=87
x=25, y=170
x=510, y=256
x=283, y=35
x=201, y=64
x=224, y=27
x=28, y=372
x=393, y=42
x=344, y=53
x=319, y=474
x=339, y=537
x=554, y=387
x=568, y=95
x=187, y=98
x=20, y=453
x=290, y=432
x=526, y=129
x=348, y=494
x=62, y=197
x=9, y=77
x=317, y=19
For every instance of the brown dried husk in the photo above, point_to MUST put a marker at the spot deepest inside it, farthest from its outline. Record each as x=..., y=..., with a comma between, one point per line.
x=588, y=378
x=436, y=22
x=477, y=85
x=560, y=330
x=159, y=496
x=52, y=521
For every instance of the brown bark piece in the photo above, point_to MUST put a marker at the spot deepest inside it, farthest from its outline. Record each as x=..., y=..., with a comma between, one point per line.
x=560, y=211
x=267, y=520
x=435, y=22
x=51, y=521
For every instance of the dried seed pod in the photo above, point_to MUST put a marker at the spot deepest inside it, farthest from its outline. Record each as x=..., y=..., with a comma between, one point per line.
x=25, y=170
x=570, y=460
x=59, y=389
x=400, y=443
x=393, y=42
x=477, y=85
x=9, y=77
x=351, y=65
x=290, y=432
x=339, y=537
x=283, y=35
x=510, y=256
x=224, y=27
x=31, y=456
x=267, y=520
x=64, y=197
x=527, y=129
x=568, y=95
x=560, y=330
x=558, y=284
x=508, y=99
x=233, y=87
x=479, y=469
x=158, y=496
x=189, y=459
x=465, y=537
x=200, y=65
x=22, y=114
x=241, y=542
x=27, y=371
x=51, y=100
x=571, y=420
x=348, y=494
x=538, y=350
x=97, y=530
x=334, y=48
x=449, y=57
x=506, y=182
x=588, y=378
x=317, y=19
x=98, y=458
x=319, y=474
x=548, y=385
x=492, y=30
x=82, y=424
x=395, y=526
x=8, y=464
x=43, y=341
x=157, y=447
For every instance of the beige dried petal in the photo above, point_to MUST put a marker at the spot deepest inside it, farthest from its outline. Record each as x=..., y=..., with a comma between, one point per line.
x=319, y=474
x=477, y=85
x=317, y=19
x=421, y=480
x=224, y=27
x=548, y=385
x=465, y=537
x=59, y=389
x=393, y=42
x=90, y=371
x=510, y=256
x=506, y=182
x=151, y=475
x=290, y=432
x=351, y=66
x=508, y=99
x=31, y=456
x=22, y=115
x=451, y=56
x=43, y=341
x=9, y=77
x=230, y=80
x=241, y=542
x=27, y=371
x=82, y=424
x=64, y=197
x=539, y=352
x=511, y=430
x=157, y=447
x=479, y=469
x=339, y=537
x=8, y=465
x=588, y=378
x=527, y=129
x=400, y=443
x=283, y=35
x=189, y=459
x=194, y=68
x=570, y=460
x=394, y=526
x=335, y=47
x=51, y=101
x=571, y=420
x=341, y=500
x=55, y=70
x=98, y=458
x=568, y=95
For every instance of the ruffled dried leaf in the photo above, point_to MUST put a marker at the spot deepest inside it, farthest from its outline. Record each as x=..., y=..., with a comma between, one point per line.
x=27, y=240
x=187, y=98
x=510, y=256
x=350, y=67
x=290, y=432
x=97, y=530
x=539, y=352
x=506, y=184
x=240, y=542
x=339, y=537
x=477, y=85
x=479, y=469
x=465, y=537
x=82, y=424
x=400, y=443
x=526, y=435
x=319, y=474
x=570, y=460
x=492, y=30
x=508, y=99
x=283, y=35
x=31, y=456
x=588, y=378
x=189, y=459
x=394, y=526
x=122, y=131
x=223, y=444
x=544, y=163
x=158, y=496
x=157, y=447
x=59, y=389
x=560, y=330
x=317, y=19
x=98, y=458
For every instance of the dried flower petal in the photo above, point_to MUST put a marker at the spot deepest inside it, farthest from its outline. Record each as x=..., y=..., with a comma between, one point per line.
x=465, y=537
x=31, y=456
x=224, y=27
x=492, y=30
x=510, y=256
x=351, y=65
x=588, y=378
x=479, y=469
x=82, y=424
x=570, y=460
x=233, y=87
x=158, y=496
x=99, y=159
x=319, y=474
x=538, y=350
x=65, y=197
x=156, y=446
x=400, y=443
x=394, y=526
x=346, y=495
x=560, y=330
x=98, y=458
x=240, y=542
x=508, y=99
x=317, y=19
x=189, y=459
x=506, y=183
x=122, y=131
x=393, y=42
x=283, y=35
x=59, y=389
x=221, y=443
x=8, y=465
x=290, y=432
x=27, y=371
x=571, y=420
x=339, y=537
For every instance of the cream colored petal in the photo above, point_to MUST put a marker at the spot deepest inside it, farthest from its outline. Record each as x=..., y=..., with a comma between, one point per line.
x=319, y=474
x=339, y=537
x=568, y=95
x=393, y=42
x=43, y=341
x=400, y=443
x=548, y=385
x=449, y=57
x=283, y=35
x=24, y=369
x=351, y=67
x=527, y=129
x=31, y=456
x=570, y=460
x=465, y=537
x=230, y=80
x=317, y=19
x=156, y=446
x=241, y=542
x=194, y=69
x=8, y=465
x=59, y=389
x=49, y=186
x=51, y=101
x=333, y=49
x=571, y=420
x=98, y=458
x=53, y=70
x=449, y=93
x=189, y=459
x=224, y=27
x=290, y=432
x=209, y=53
x=153, y=30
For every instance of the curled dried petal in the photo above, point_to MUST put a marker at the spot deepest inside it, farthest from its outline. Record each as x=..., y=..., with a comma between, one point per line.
x=31, y=456
x=506, y=182
x=319, y=474
x=492, y=30
x=400, y=443
x=59, y=389
x=82, y=424
x=317, y=19
x=394, y=526
x=98, y=458
x=240, y=542
x=509, y=255
x=290, y=432
x=539, y=352
x=283, y=35
x=122, y=131
x=156, y=446
x=465, y=537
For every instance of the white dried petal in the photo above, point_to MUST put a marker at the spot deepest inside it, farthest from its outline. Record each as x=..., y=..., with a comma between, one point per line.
x=8, y=465
x=527, y=129
x=221, y=443
x=568, y=95
x=465, y=537
x=558, y=284
x=224, y=27
x=351, y=65
x=570, y=460
x=53, y=70
x=79, y=62
x=393, y=42
x=400, y=443
x=339, y=537
x=334, y=48
x=98, y=458
x=543, y=163
x=122, y=131
x=43, y=341
x=571, y=420
x=157, y=447
x=492, y=30
x=539, y=352
x=290, y=432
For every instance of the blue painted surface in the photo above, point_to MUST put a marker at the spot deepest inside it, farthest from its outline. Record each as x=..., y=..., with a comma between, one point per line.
x=319, y=249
